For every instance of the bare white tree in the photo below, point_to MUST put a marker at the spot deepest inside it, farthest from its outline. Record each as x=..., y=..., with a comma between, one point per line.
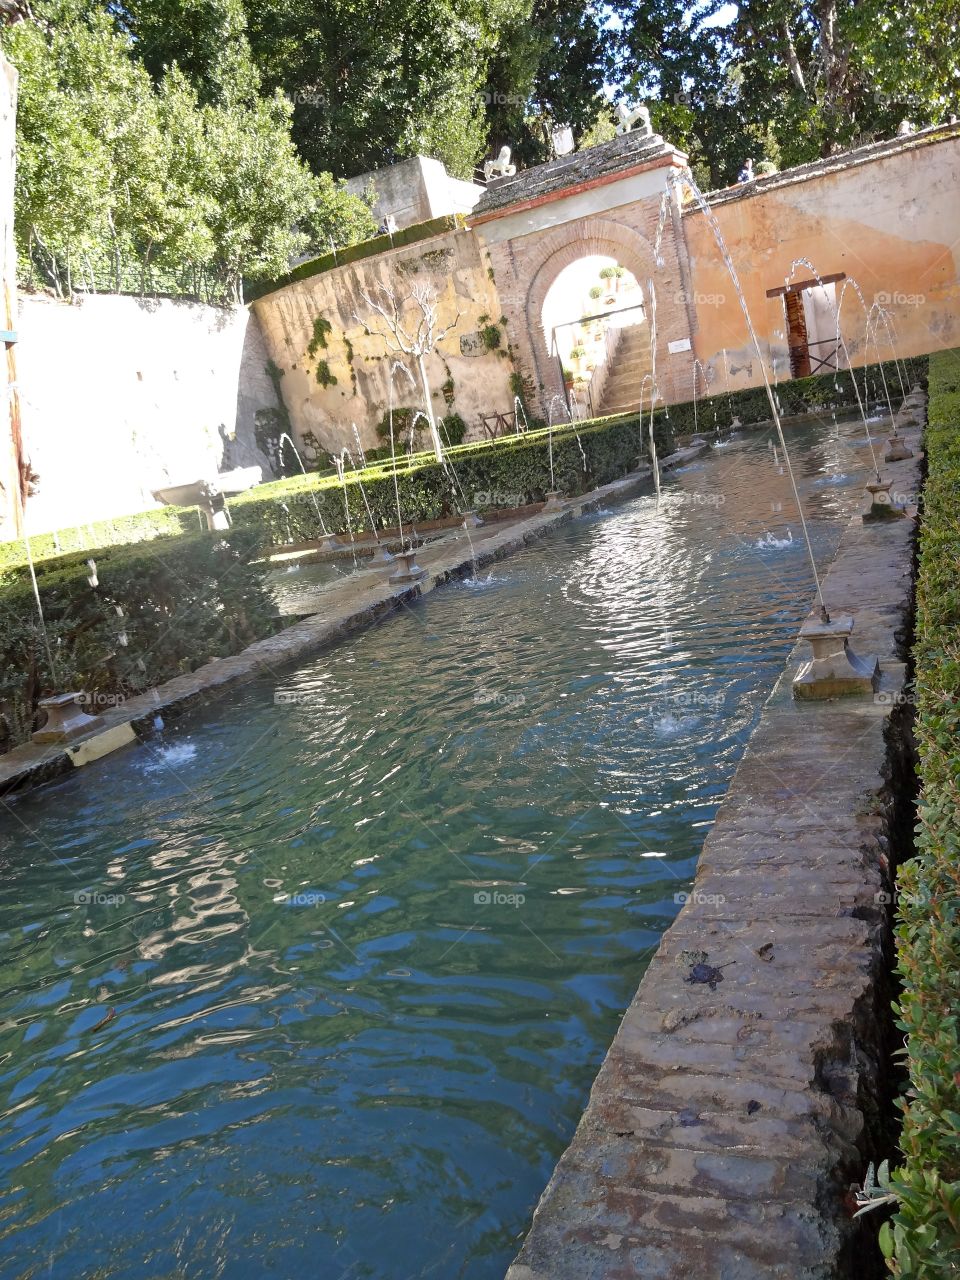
x=410, y=327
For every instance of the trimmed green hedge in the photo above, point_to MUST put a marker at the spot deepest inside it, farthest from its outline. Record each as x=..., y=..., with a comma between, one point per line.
x=923, y=1239
x=165, y=522
x=180, y=603
x=356, y=252
x=509, y=471
x=822, y=391
x=434, y=496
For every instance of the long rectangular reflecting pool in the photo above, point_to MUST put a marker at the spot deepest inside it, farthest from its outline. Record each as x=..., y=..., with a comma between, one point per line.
x=316, y=984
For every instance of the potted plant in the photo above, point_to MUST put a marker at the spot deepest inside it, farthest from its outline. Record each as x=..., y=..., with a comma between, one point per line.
x=596, y=292
x=577, y=354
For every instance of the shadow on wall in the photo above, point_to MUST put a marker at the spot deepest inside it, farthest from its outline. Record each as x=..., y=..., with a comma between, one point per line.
x=122, y=396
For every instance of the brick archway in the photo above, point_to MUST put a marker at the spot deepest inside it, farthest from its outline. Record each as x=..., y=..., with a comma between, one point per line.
x=602, y=237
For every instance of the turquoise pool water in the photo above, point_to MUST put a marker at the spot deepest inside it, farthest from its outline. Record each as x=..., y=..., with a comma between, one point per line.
x=317, y=985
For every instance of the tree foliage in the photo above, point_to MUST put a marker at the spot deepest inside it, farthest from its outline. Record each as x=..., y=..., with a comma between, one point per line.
x=129, y=183
x=788, y=79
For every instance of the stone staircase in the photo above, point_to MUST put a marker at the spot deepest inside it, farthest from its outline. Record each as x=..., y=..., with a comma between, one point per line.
x=630, y=362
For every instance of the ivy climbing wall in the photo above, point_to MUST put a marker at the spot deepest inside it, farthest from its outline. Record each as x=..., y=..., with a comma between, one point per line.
x=329, y=343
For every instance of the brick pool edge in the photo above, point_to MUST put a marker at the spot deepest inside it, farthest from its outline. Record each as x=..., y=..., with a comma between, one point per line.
x=727, y=1122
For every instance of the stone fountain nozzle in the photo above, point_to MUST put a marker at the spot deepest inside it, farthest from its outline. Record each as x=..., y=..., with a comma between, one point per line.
x=834, y=671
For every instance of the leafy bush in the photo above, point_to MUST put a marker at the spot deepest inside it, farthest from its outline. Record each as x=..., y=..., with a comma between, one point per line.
x=590, y=455
x=401, y=419
x=143, y=526
x=923, y=1239
x=452, y=429
x=176, y=603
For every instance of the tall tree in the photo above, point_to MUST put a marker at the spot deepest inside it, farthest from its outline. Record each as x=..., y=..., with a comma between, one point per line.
x=124, y=184
x=548, y=72
x=794, y=78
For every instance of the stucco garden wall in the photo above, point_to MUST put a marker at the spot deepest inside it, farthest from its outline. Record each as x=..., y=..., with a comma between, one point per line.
x=477, y=379
x=887, y=216
x=124, y=395
x=9, y=461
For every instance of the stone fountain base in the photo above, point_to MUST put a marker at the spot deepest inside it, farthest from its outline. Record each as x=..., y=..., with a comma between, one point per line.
x=897, y=449
x=408, y=570
x=880, y=505
x=834, y=671
x=65, y=719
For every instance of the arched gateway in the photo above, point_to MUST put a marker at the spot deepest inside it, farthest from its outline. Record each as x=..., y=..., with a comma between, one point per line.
x=603, y=202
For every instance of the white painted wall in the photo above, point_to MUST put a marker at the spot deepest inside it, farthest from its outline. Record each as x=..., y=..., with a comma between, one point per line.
x=124, y=395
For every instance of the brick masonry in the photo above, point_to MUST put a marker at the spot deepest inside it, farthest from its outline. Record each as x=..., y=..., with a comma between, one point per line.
x=526, y=266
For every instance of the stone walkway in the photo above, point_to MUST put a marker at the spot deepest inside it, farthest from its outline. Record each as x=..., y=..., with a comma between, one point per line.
x=342, y=608
x=728, y=1120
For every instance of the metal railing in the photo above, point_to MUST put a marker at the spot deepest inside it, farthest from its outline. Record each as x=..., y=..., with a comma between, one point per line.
x=612, y=337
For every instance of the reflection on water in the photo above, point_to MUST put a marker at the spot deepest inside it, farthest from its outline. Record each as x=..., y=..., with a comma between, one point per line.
x=318, y=988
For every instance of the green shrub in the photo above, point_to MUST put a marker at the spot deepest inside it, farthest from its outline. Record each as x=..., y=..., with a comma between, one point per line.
x=590, y=455
x=176, y=603
x=823, y=391
x=923, y=1238
x=143, y=526
x=452, y=429
x=401, y=419
x=491, y=337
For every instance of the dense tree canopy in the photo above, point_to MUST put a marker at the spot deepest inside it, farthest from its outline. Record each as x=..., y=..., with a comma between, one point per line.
x=130, y=183
x=189, y=144
x=789, y=79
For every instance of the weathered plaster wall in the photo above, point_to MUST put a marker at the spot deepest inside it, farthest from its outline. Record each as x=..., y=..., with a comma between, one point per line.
x=452, y=266
x=9, y=454
x=415, y=190
x=122, y=395
x=890, y=222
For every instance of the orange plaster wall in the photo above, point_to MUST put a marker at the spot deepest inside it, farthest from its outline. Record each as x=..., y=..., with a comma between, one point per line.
x=892, y=224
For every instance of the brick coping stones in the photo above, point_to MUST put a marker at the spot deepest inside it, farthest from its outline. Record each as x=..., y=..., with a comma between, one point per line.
x=741, y=1095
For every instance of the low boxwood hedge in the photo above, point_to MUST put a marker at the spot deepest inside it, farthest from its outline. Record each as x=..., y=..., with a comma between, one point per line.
x=164, y=522
x=176, y=604
x=509, y=471
x=923, y=1238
